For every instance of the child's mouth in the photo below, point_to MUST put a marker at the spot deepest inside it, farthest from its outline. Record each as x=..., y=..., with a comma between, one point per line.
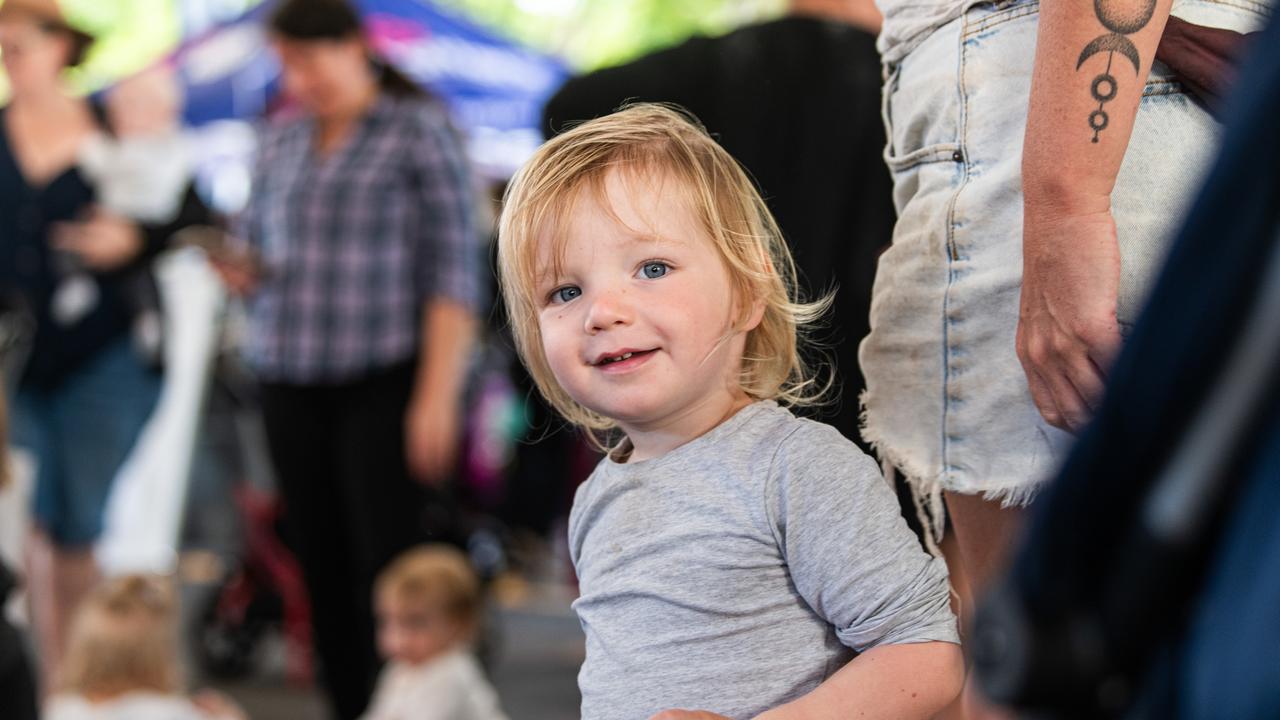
x=623, y=360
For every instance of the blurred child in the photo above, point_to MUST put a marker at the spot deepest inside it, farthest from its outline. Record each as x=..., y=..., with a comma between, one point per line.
x=122, y=659
x=731, y=556
x=429, y=605
x=141, y=171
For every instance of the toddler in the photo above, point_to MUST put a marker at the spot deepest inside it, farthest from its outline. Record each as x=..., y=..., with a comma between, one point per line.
x=732, y=557
x=122, y=659
x=428, y=604
x=141, y=171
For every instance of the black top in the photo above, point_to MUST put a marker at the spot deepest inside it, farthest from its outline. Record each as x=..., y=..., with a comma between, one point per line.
x=797, y=102
x=29, y=276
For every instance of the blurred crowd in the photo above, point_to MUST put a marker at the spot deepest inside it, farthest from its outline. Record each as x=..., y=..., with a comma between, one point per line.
x=976, y=305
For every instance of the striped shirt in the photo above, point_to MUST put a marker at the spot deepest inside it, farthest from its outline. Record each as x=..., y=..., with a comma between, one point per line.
x=354, y=243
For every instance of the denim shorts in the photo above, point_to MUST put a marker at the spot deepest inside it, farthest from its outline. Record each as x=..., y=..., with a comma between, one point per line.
x=947, y=402
x=79, y=434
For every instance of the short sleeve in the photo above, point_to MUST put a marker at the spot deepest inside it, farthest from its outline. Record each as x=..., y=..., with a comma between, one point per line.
x=448, y=255
x=849, y=551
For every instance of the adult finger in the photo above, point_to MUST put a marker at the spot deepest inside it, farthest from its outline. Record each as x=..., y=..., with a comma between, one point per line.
x=1072, y=408
x=1042, y=396
x=1086, y=379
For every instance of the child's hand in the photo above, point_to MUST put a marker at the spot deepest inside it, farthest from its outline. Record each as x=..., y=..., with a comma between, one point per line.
x=687, y=715
x=219, y=706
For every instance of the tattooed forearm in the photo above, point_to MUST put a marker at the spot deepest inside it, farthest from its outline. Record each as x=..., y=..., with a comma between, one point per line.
x=1121, y=17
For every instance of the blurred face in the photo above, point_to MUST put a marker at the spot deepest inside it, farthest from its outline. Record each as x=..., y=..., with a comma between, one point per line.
x=34, y=57
x=638, y=325
x=145, y=104
x=328, y=77
x=414, y=635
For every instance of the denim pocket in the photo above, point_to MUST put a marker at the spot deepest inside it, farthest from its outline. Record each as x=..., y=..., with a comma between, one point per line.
x=921, y=103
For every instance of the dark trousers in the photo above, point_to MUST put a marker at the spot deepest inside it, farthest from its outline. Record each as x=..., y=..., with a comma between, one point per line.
x=351, y=506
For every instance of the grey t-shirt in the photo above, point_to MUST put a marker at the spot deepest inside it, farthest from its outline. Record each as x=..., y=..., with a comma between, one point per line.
x=740, y=570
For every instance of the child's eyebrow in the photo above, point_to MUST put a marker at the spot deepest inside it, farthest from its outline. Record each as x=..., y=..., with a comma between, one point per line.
x=654, y=239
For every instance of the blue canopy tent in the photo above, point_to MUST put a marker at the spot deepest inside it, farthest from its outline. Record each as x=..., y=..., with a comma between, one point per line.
x=494, y=88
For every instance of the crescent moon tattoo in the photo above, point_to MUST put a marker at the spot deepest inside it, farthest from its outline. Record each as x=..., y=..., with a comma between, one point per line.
x=1121, y=17
x=1112, y=43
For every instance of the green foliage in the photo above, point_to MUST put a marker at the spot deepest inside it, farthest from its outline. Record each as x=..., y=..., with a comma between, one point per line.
x=586, y=33
x=595, y=33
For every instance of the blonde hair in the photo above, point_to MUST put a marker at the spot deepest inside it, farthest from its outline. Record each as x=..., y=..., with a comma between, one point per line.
x=123, y=638
x=433, y=576
x=659, y=139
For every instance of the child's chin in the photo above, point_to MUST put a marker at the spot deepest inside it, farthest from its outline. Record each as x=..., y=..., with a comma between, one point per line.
x=626, y=411
x=416, y=660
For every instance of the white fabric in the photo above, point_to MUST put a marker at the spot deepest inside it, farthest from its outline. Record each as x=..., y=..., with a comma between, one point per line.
x=451, y=687
x=141, y=178
x=133, y=706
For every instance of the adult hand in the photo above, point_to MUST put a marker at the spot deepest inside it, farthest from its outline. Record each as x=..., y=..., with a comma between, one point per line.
x=237, y=270
x=687, y=715
x=431, y=438
x=103, y=241
x=1067, y=329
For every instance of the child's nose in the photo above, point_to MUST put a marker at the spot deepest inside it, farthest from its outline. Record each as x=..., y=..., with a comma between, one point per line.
x=608, y=309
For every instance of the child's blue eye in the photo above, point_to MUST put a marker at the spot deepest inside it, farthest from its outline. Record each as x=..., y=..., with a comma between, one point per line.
x=654, y=270
x=565, y=294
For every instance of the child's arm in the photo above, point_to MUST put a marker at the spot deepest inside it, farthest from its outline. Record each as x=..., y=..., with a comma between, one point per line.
x=854, y=561
x=893, y=682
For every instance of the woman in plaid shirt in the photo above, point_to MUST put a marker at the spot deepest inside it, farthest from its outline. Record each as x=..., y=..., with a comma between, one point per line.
x=363, y=289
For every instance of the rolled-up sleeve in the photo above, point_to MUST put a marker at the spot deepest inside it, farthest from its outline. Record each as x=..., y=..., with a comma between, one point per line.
x=448, y=258
x=850, y=553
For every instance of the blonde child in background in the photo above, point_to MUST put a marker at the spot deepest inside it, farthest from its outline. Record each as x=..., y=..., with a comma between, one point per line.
x=731, y=557
x=122, y=659
x=428, y=605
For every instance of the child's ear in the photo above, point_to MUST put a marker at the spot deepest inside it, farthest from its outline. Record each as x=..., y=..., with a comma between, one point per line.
x=756, y=312
x=756, y=315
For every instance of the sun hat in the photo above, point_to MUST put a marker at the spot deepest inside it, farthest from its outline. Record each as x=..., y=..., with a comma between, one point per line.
x=47, y=12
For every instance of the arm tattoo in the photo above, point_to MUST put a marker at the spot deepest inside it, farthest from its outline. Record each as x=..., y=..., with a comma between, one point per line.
x=1121, y=17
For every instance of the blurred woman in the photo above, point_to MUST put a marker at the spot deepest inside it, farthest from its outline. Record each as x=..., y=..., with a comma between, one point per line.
x=85, y=392
x=362, y=272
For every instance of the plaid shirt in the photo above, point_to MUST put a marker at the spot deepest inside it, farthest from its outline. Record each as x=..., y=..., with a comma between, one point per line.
x=353, y=244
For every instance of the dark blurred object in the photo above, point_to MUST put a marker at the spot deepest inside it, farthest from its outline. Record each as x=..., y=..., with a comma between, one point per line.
x=797, y=102
x=1149, y=583
x=1205, y=59
x=266, y=591
x=17, y=684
